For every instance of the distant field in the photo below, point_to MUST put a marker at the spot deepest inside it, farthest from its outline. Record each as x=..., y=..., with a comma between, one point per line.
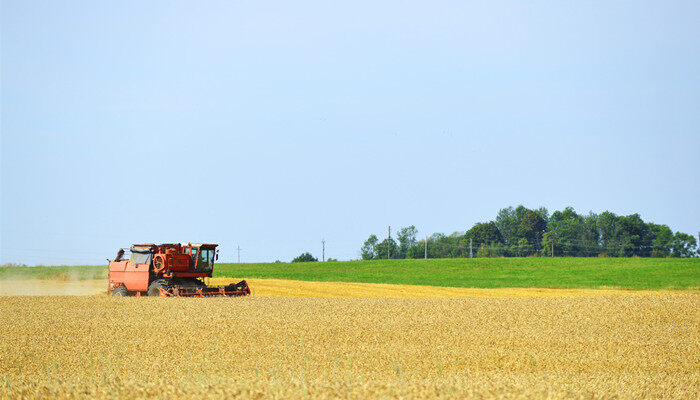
x=629, y=273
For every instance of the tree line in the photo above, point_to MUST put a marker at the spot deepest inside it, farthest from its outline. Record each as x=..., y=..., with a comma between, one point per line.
x=522, y=232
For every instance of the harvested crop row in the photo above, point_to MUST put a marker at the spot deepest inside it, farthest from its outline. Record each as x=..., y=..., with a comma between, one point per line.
x=101, y=347
x=288, y=288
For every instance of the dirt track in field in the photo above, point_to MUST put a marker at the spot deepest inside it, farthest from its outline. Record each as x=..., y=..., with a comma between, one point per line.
x=289, y=288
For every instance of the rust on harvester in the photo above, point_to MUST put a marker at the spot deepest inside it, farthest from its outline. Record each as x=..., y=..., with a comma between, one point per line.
x=171, y=269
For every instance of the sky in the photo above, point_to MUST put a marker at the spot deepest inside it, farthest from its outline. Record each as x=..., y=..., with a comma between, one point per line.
x=272, y=125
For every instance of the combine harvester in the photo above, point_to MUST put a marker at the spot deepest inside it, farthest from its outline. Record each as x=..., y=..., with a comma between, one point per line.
x=168, y=270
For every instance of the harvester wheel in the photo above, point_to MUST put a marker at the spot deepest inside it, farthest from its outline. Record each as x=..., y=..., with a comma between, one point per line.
x=154, y=288
x=120, y=291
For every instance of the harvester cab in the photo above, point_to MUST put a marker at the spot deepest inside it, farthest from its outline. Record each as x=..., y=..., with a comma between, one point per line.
x=170, y=269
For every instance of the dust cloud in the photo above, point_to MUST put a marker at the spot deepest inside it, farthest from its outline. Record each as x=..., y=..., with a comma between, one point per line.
x=46, y=287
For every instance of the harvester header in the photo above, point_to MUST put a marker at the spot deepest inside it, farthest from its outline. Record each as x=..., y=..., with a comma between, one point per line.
x=169, y=269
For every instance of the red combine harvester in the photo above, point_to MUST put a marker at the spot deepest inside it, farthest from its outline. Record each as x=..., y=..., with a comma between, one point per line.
x=168, y=270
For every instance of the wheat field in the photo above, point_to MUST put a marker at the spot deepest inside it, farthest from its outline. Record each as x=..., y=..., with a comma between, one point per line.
x=617, y=346
x=291, y=288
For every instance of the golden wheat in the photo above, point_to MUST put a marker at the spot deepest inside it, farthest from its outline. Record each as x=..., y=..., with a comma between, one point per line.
x=290, y=288
x=255, y=347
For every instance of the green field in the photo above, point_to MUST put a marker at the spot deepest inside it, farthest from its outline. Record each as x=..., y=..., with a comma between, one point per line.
x=630, y=273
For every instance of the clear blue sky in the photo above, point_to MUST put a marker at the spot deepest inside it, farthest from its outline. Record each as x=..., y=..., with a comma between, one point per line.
x=273, y=125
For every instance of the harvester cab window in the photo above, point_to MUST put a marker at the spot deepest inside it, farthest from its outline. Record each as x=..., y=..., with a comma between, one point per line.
x=208, y=256
x=141, y=254
x=206, y=262
x=141, y=258
x=193, y=258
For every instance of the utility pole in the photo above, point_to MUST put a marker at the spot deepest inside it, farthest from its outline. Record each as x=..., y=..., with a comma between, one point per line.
x=239, y=253
x=471, y=253
x=388, y=245
x=323, y=256
x=426, y=247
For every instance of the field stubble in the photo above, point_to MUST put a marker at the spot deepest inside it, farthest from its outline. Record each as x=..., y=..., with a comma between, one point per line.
x=597, y=346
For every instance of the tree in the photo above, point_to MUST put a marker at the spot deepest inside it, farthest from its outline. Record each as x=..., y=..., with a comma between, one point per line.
x=590, y=235
x=662, y=240
x=531, y=228
x=608, y=226
x=624, y=236
x=521, y=231
x=407, y=239
x=369, y=248
x=548, y=240
x=683, y=245
x=507, y=223
x=634, y=237
x=483, y=251
x=484, y=233
x=521, y=223
x=523, y=248
x=438, y=246
x=417, y=250
x=457, y=245
x=381, y=249
x=572, y=234
x=305, y=257
x=543, y=213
